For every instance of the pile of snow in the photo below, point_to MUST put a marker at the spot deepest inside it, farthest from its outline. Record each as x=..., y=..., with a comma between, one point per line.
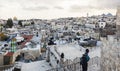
x=35, y=66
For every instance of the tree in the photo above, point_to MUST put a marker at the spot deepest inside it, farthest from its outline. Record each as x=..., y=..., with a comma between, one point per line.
x=32, y=23
x=3, y=37
x=65, y=27
x=15, y=18
x=9, y=23
x=1, y=27
x=20, y=23
x=78, y=34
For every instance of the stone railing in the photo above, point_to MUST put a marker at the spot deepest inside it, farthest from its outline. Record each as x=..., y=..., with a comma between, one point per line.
x=7, y=67
x=110, y=56
x=74, y=65
x=70, y=67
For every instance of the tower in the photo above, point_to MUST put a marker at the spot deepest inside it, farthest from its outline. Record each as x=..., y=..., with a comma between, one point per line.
x=118, y=23
x=87, y=15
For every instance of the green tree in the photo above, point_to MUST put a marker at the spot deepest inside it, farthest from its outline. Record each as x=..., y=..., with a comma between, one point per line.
x=3, y=37
x=65, y=27
x=78, y=34
x=20, y=23
x=1, y=27
x=9, y=23
x=32, y=23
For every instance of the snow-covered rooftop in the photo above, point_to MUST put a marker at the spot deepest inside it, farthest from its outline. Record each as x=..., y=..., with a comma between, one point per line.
x=29, y=48
x=35, y=66
x=71, y=51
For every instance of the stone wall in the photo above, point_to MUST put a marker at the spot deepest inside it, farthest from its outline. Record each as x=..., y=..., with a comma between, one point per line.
x=110, y=56
x=1, y=59
x=118, y=23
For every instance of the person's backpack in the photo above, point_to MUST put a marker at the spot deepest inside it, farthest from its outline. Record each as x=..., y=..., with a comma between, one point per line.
x=83, y=59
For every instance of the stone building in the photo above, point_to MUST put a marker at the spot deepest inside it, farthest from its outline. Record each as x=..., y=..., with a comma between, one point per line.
x=118, y=23
x=110, y=55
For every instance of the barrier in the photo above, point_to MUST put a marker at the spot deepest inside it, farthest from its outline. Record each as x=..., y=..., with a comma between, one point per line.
x=75, y=65
x=7, y=67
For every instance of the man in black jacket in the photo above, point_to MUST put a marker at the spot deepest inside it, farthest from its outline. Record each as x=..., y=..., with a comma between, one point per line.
x=84, y=60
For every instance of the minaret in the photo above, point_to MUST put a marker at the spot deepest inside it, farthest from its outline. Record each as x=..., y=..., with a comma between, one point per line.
x=87, y=15
x=87, y=18
x=118, y=23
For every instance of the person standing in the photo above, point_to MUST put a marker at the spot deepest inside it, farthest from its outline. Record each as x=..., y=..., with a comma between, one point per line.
x=84, y=60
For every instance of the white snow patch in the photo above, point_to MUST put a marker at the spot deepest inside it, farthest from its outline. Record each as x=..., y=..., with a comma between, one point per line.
x=36, y=66
x=71, y=51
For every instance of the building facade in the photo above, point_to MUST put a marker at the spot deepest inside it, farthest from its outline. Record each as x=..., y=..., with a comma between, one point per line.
x=118, y=23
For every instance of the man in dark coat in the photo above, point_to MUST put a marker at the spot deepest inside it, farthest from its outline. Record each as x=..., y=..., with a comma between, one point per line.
x=84, y=60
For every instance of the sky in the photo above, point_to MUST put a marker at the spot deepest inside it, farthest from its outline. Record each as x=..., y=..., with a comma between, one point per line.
x=49, y=9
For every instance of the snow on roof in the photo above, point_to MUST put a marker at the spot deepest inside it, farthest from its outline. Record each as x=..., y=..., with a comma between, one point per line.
x=90, y=25
x=4, y=53
x=36, y=48
x=12, y=29
x=27, y=43
x=36, y=39
x=71, y=51
x=19, y=38
x=36, y=66
x=2, y=43
x=60, y=42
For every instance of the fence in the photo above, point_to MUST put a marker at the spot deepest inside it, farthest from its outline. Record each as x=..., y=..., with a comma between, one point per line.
x=75, y=65
x=70, y=67
x=7, y=68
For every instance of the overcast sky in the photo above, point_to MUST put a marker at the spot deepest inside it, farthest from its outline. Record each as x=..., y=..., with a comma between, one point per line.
x=48, y=9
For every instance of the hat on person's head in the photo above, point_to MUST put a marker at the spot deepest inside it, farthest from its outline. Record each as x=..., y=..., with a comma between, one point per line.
x=87, y=50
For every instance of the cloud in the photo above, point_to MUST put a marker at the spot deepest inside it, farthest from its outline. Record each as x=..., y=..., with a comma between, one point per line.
x=95, y=5
x=63, y=7
x=37, y=8
x=78, y=8
x=58, y=7
x=38, y=2
x=111, y=4
x=1, y=5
